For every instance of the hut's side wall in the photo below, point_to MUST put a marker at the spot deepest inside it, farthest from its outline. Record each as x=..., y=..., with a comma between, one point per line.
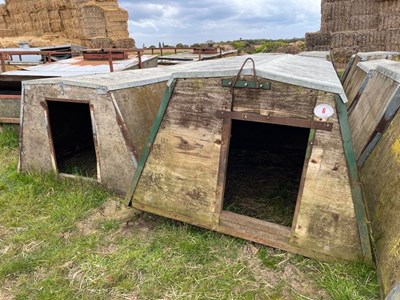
x=352, y=70
x=139, y=107
x=370, y=110
x=326, y=220
x=381, y=181
x=116, y=165
x=354, y=85
x=180, y=177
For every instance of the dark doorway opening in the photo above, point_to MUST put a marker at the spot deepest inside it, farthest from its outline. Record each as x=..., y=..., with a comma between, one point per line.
x=265, y=166
x=72, y=134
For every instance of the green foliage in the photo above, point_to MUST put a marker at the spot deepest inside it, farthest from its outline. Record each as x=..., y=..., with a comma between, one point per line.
x=239, y=45
x=270, y=46
x=350, y=281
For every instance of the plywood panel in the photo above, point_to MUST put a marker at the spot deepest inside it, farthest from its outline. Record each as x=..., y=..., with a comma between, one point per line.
x=381, y=182
x=326, y=219
x=370, y=110
x=139, y=107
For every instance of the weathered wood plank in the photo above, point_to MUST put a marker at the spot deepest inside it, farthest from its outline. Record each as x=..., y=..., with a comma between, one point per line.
x=281, y=100
x=9, y=120
x=181, y=170
x=351, y=72
x=370, y=109
x=381, y=182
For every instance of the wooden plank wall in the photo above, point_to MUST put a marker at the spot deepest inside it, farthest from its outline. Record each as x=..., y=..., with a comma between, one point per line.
x=381, y=182
x=370, y=109
x=180, y=176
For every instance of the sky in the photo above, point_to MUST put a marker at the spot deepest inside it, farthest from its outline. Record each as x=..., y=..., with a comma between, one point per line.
x=190, y=21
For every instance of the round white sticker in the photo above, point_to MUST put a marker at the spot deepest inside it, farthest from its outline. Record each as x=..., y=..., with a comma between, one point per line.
x=324, y=111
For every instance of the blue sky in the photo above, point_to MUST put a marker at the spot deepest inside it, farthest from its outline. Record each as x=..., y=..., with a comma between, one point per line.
x=189, y=21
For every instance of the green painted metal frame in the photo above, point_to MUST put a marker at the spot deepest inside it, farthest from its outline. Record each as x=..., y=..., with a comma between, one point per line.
x=355, y=183
x=150, y=140
x=246, y=84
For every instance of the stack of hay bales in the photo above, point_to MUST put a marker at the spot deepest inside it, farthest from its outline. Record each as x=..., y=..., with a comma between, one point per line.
x=357, y=25
x=90, y=23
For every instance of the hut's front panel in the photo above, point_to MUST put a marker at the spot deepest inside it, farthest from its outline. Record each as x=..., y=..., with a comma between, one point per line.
x=370, y=109
x=115, y=165
x=180, y=177
x=381, y=181
x=139, y=107
x=326, y=220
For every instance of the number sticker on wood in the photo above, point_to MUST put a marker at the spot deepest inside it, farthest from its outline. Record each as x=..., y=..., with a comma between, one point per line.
x=324, y=111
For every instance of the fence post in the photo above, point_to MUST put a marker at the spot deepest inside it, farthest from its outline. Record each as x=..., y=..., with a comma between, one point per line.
x=140, y=60
x=110, y=62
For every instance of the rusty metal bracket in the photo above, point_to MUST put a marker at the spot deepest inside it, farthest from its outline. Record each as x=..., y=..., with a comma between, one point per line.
x=296, y=122
x=246, y=84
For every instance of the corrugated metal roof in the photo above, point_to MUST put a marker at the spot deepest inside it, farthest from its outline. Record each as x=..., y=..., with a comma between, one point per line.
x=77, y=66
x=309, y=72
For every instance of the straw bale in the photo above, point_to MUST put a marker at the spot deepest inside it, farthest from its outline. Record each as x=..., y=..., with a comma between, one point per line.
x=86, y=22
x=357, y=25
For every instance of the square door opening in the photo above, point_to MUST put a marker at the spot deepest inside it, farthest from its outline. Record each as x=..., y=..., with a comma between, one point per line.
x=72, y=136
x=265, y=165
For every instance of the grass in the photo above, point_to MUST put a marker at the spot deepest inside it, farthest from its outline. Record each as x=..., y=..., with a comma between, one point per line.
x=71, y=239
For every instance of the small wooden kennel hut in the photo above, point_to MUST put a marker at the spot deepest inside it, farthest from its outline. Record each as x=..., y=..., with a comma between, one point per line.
x=375, y=127
x=257, y=147
x=92, y=126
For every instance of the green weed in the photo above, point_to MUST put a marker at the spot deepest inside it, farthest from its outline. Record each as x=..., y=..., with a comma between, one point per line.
x=8, y=137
